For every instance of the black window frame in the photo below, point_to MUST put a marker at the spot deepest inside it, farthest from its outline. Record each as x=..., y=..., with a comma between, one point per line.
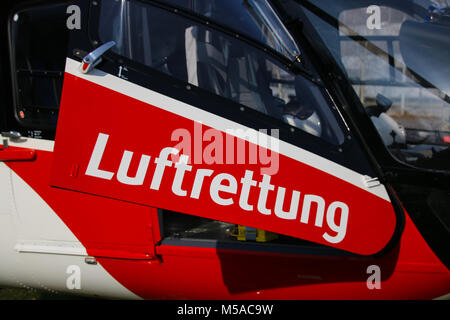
x=28, y=128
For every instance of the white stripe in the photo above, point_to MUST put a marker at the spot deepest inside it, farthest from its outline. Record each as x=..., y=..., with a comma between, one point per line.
x=209, y=119
x=27, y=255
x=30, y=143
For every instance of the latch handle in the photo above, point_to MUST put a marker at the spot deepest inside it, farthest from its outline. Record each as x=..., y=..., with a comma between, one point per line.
x=94, y=58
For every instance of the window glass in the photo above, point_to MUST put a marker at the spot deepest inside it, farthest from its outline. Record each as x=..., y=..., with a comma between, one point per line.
x=39, y=42
x=254, y=18
x=396, y=57
x=218, y=63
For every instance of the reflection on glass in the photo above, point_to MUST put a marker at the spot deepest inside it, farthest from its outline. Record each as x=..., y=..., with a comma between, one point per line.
x=254, y=18
x=400, y=71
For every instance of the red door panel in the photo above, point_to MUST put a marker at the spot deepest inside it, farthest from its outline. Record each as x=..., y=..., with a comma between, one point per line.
x=122, y=146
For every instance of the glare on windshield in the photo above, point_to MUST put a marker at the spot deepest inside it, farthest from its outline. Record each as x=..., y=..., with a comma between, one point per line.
x=253, y=18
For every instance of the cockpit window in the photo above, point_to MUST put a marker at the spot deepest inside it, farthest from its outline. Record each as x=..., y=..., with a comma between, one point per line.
x=218, y=63
x=254, y=18
x=396, y=55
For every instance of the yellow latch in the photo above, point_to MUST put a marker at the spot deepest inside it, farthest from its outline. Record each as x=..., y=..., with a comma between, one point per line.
x=243, y=233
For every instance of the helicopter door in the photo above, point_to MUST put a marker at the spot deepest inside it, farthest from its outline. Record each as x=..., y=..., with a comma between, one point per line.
x=163, y=110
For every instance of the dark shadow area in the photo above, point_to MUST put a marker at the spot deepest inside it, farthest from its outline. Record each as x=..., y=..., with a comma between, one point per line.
x=249, y=272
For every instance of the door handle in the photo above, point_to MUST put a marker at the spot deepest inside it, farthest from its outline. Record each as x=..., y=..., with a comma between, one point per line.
x=95, y=57
x=8, y=153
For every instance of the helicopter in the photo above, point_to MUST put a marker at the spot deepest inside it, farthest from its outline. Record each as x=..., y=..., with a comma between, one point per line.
x=240, y=149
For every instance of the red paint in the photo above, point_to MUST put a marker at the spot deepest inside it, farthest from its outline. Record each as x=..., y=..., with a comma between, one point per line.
x=147, y=130
x=17, y=154
x=123, y=235
x=409, y=271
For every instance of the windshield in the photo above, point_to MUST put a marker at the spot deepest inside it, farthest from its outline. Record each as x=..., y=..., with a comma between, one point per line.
x=253, y=18
x=396, y=56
